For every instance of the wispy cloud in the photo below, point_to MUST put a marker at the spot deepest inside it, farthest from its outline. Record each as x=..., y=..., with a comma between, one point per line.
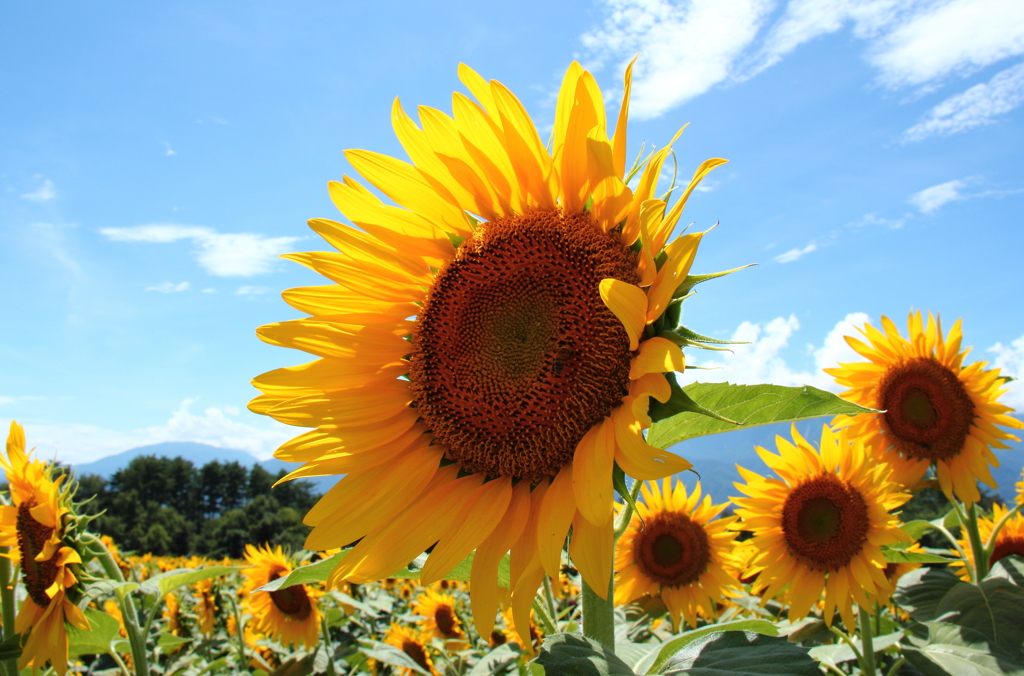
x=168, y=150
x=169, y=287
x=690, y=46
x=5, y=399
x=1010, y=360
x=44, y=193
x=978, y=106
x=873, y=219
x=252, y=290
x=931, y=199
x=241, y=254
x=796, y=254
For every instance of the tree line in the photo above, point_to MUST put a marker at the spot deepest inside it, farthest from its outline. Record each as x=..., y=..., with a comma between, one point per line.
x=169, y=507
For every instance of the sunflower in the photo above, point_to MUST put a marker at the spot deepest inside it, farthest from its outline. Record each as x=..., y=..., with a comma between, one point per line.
x=206, y=606
x=34, y=526
x=821, y=524
x=288, y=615
x=414, y=644
x=1009, y=541
x=674, y=547
x=1020, y=489
x=933, y=409
x=488, y=348
x=438, y=612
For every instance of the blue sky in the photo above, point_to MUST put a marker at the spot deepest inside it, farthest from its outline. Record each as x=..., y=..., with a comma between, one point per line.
x=155, y=159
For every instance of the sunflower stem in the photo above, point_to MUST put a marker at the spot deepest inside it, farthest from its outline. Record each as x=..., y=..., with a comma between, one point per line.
x=849, y=641
x=326, y=632
x=120, y=663
x=980, y=554
x=599, y=615
x=991, y=544
x=867, y=665
x=131, y=619
x=243, y=661
x=7, y=582
x=549, y=598
x=896, y=667
x=627, y=510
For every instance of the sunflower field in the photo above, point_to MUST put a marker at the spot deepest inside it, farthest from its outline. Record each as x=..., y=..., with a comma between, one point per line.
x=493, y=382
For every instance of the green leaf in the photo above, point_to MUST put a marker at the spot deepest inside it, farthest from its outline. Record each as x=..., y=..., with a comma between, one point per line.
x=96, y=640
x=920, y=591
x=180, y=577
x=389, y=654
x=749, y=405
x=740, y=652
x=619, y=482
x=495, y=661
x=915, y=529
x=571, y=655
x=837, y=653
x=311, y=574
x=10, y=648
x=954, y=650
x=1009, y=568
x=993, y=609
x=168, y=641
x=680, y=403
x=653, y=660
x=295, y=666
x=893, y=555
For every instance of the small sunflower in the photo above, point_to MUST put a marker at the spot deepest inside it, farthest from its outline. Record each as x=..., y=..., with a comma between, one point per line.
x=288, y=615
x=34, y=526
x=934, y=410
x=821, y=524
x=438, y=612
x=206, y=606
x=1009, y=541
x=674, y=547
x=1020, y=489
x=488, y=348
x=414, y=644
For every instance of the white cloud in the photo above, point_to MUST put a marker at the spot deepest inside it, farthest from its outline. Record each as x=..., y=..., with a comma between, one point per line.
x=24, y=397
x=209, y=290
x=75, y=443
x=241, y=254
x=976, y=107
x=874, y=219
x=168, y=287
x=688, y=47
x=931, y=199
x=168, y=150
x=1010, y=360
x=252, y=290
x=761, y=360
x=44, y=193
x=796, y=254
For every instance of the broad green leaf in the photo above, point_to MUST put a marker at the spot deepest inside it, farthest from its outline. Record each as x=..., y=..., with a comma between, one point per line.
x=838, y=653
x=571, y=655
x=993, y=610
x=389, y=654
x=168, y=641
x=1009, y=568
x=311, y=574
x=748, y=405
x=180, y=577
x=915, y=529
x=656, y=657
x=893, y=555
x=10, y=648
x=495, y=661
x=728, y=653
x=955, y=650
x=96, y=641
x=920, y=591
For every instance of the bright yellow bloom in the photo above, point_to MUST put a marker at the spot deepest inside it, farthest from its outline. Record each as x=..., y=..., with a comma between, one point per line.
x=438, y=612
x=488, y=348
x=414, y=644
x=821, y=524
x=674, y=547
x=935, y=409
x=33, y=526
x=206, y=606
x=1009, y=541
x=1020, y=489
x=288, y=615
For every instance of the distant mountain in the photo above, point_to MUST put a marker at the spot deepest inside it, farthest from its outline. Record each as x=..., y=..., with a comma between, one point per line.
x=198, y=454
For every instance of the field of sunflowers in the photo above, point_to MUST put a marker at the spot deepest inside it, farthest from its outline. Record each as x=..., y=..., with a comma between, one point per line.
x=494, y=383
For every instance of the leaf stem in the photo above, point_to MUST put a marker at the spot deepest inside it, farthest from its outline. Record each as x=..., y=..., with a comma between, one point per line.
x=849, y=641
x=326, y=632
x=124, y=599
x=867, y=664
x=896, y=667
x=7, y=605
x=549, y=598
x=980, y=554
x=599, y=615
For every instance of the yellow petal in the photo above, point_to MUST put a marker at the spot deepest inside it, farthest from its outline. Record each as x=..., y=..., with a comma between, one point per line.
x=556, y=513
x=636, y=457
x=681, y=253
x=629, y=304
x=657, y=355
x=591, y=549
x=592, y=467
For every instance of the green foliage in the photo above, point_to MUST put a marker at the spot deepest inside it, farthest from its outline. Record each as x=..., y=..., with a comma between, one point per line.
x=569, y=655
x=663, y=652
x=710, y=408
x=169, y=507
x=740, y=652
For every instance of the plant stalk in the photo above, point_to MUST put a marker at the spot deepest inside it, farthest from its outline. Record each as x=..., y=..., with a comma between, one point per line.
x=128, y=613
x=7, y=605
x=979, y=551
x=599, y=615
x=867, y=664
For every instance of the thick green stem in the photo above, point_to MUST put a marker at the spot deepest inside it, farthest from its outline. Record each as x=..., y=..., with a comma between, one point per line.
x=549, y=599
x=599, y=615
x=867, y=662
x=7, y=582
x=980, y=554
x=131, y=618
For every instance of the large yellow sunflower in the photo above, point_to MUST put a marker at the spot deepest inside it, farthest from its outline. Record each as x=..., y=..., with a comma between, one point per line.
x=674, y=547
x=821, y=524
x=287, y=615
x=1009, y=541
x=933, y=408
x=34, y=527
x=414, y=644
x=487, y=349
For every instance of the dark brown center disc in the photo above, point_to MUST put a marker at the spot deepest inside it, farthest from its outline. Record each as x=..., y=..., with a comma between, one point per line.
x=515, y=355
x=32, y=537
x=927, y=409
x=825, y=522
x=672, y=549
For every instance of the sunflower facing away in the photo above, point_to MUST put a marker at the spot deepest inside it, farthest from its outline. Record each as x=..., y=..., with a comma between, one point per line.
x=673, y=547
x=1009, y=541
x=487, y=349
x=34, y=527
x=821, y=524
x=288, y=615
x=935, y=409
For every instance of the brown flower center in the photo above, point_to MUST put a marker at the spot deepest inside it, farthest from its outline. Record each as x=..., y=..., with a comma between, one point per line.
x=928, y=412
x=515, y=356
x=292, y=601
x=417, y=652
x=825, y=522
x=32, y=537
x=1007, y=546
x=672, y=549
x=444, y=617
